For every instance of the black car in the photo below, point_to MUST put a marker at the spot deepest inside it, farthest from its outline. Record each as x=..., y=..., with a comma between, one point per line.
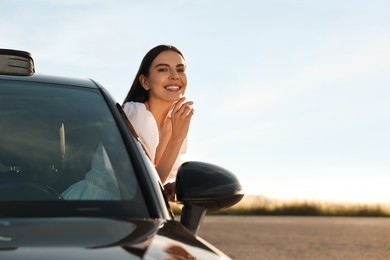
x=75, y=182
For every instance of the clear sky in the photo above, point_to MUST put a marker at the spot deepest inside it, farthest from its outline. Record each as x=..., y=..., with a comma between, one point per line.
x=291, y=96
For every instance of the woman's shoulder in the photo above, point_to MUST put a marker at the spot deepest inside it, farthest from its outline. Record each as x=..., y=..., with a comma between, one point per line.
x=132, y=108
x=133, y=105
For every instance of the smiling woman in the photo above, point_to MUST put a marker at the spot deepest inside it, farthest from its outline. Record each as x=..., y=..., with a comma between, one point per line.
x=156, y=107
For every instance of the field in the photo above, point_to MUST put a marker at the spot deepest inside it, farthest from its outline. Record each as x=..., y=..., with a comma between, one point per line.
x=261, y=206
x=255, y=237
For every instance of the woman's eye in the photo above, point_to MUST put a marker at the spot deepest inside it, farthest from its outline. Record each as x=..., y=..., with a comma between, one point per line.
x=162, y=70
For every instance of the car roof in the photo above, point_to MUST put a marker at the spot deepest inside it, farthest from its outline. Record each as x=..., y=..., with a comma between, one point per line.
x=41, y=78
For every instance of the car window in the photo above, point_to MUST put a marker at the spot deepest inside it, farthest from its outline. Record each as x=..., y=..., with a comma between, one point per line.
x=61, y=143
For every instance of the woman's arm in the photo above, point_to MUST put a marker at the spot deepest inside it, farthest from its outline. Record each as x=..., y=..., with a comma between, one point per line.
x=168, y=158
x=173, y=134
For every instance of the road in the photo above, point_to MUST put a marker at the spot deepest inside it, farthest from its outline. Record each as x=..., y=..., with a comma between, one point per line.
x=252, y=237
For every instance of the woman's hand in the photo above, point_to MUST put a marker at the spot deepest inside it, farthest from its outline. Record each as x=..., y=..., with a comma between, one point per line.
x=180, y=115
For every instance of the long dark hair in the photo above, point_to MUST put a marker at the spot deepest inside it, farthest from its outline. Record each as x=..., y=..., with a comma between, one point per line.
x=137, y=93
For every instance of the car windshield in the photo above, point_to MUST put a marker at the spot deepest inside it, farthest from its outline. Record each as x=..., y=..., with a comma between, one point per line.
x=61, y=143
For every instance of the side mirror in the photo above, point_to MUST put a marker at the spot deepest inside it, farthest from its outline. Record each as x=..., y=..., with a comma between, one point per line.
x=203, y=187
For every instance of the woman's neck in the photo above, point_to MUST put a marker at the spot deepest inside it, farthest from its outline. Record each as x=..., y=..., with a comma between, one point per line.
x=159, y=110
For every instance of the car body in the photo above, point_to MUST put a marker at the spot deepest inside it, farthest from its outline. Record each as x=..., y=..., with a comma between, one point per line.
x=75, y=182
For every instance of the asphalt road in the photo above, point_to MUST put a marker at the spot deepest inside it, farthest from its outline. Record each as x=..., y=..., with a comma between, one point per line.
x=299, y=237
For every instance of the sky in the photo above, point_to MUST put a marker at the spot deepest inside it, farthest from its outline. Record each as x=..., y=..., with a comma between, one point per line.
x=291, y=96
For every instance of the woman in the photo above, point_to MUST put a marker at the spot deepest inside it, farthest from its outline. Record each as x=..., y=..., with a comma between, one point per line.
x=158, y=110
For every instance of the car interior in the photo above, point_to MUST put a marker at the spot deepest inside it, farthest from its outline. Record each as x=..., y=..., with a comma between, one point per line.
x=49, y=137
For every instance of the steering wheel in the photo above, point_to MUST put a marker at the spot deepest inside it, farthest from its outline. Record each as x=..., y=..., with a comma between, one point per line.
x=15, y=189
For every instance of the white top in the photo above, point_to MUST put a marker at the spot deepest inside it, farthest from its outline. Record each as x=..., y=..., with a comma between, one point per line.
x=99, y=183
x=145, y=125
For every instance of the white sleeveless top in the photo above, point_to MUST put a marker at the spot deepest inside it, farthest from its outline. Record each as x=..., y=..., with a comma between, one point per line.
x=144, y=123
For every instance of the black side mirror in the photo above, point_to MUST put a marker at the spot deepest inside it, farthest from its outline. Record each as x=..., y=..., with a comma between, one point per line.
x=203, y=187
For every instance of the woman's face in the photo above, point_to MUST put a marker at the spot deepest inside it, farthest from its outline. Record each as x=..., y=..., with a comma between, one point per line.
x=167, y=78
